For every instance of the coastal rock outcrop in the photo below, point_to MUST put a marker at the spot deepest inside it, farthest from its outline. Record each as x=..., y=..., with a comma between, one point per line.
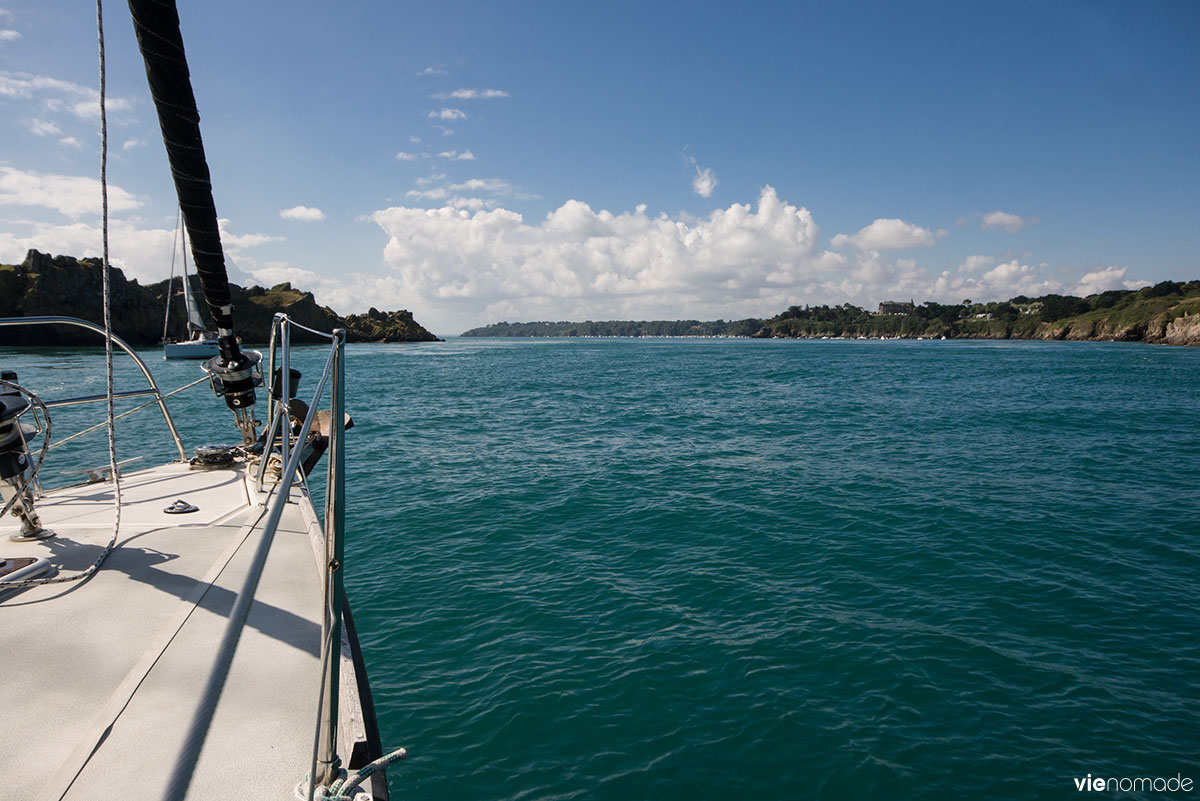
x=254, y=308
x=44, y=285
x=377, y=326
x=1183, y=330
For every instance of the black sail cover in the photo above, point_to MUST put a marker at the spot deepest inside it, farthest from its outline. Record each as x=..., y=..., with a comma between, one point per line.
x=156, y=23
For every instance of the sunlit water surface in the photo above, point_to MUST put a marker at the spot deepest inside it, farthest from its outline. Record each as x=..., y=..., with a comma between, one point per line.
x=717, y=569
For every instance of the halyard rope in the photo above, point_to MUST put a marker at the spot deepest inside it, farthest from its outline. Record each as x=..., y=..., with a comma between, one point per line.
x=108, y=353
x=108, y=332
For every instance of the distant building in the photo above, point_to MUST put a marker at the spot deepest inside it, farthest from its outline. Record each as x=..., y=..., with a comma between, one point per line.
x=897, y=307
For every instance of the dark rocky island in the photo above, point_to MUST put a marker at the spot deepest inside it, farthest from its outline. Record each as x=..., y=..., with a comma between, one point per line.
x=66, y=286
x=1166, y=313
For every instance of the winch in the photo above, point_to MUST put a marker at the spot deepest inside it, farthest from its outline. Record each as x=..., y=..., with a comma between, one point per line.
x=15, y=458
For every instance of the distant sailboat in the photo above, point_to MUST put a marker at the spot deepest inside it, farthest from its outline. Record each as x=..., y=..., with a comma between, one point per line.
x=200, y=344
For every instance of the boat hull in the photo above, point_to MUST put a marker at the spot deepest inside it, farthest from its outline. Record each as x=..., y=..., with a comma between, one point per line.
x=196, y=349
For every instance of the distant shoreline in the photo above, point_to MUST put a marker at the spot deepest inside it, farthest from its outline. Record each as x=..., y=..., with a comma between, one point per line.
x=1167, y=313
x=958, y=337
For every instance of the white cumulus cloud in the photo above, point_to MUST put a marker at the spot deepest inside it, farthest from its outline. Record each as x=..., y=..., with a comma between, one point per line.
x=437, y=193
x=1001, y=282
x=142, y=253
x=55, y=95
x=495, y=186
x=302, y=213
x=887, y=234
x=71, y=195
x=974, y=264
x=237, y=244
x=1004, y=221
x=433, y=178
x=276, y=273
x=403, y=156
x=472, y=94
x=470, y=262
x=8, y=35
x=1102, y=280
x=705, y=180
x=44, y=127
x=454, y=155
x=448, y=114
x=454, y=264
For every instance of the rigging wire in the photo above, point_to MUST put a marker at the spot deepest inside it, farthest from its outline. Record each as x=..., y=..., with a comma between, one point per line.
x=201, y=380
x=171, y=278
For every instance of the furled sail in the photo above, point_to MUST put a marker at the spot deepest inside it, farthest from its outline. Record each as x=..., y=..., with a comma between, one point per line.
x=156, y=23
x=189, y=302
x=157, y=26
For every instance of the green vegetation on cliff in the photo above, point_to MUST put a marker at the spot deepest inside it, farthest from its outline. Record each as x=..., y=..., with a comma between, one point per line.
x=43, y=285
x=621, y=328
x=1166, y=312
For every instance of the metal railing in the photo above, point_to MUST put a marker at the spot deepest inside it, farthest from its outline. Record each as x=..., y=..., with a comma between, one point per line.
x=326, y=763
x=291, y=447
x=152, y=391
x=325, y=759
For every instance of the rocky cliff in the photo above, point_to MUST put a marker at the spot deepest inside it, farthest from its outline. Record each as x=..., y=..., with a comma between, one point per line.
x=1159, y=330
x=377, y=326
x=1183, y=330
x=66, y=286
x=62, y=285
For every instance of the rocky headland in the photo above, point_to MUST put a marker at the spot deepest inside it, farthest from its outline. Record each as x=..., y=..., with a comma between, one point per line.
x=44, y=285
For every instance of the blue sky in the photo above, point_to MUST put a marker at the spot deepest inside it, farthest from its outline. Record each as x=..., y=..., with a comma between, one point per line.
x=481, y=161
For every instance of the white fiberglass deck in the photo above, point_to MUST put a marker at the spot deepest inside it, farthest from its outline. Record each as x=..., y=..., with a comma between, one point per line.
x=127, y=652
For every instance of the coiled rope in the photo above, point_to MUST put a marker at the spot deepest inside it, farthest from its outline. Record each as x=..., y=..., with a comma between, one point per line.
x=343, y=789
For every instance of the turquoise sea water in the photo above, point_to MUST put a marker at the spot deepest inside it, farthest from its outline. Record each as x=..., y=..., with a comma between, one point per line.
x=727, y=569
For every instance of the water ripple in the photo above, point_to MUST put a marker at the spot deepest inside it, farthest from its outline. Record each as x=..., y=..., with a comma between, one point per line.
x=715, y=569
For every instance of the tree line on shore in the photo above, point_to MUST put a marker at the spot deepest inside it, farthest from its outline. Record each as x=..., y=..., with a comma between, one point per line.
x=1144, y=313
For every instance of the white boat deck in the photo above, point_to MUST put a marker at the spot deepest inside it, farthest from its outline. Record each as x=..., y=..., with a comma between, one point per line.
x=101, y=678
